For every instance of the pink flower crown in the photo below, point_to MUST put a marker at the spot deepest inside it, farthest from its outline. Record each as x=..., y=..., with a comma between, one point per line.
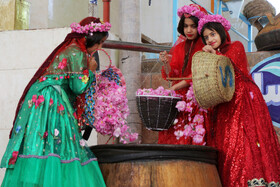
x=213, y=18
x=90, y=28
x=192, y=10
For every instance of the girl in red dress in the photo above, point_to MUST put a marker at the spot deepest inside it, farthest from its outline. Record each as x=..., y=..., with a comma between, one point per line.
x=180, y=66
x=241, y=130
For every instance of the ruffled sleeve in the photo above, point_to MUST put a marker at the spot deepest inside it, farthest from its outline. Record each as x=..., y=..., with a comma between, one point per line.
x=79, y=83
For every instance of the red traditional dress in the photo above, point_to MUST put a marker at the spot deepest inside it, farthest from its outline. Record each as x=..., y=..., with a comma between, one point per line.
x=242, y=130
x=182, y=52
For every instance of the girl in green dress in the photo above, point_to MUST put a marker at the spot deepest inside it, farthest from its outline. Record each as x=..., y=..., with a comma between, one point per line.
x=46, y=147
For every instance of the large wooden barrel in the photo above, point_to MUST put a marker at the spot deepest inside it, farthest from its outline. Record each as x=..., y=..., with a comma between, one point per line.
x=142, y=165
x=268, y=39
x=256, y=9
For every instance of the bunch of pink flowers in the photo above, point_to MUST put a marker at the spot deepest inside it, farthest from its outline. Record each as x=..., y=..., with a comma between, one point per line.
x=160, y=91
x=213, y=18
x=111, y=110
x=193, y=123
x=90, y=28
x=192, y=10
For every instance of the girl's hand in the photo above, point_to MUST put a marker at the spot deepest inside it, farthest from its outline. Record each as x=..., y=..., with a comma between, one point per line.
x=172, y=88
x=209, y=49
x=163, y=57
x=92, y=64
x=179, y=85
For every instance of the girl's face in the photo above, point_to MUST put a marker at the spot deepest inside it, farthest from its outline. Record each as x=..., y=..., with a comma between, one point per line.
x=97, y=46
x=212, y=38
x=190, y=29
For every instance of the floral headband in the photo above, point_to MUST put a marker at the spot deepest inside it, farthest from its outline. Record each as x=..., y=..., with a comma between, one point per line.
x=192, y=10
x=90, y=28
x=213, y=18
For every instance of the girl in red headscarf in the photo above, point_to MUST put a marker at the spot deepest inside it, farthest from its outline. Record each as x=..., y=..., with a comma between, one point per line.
x=180, y=67
x=46, y=147
x=241, y=130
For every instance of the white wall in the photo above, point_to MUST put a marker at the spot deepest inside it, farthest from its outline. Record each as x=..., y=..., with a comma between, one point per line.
x=22, y=53
x=156, y=20
x=54, y=14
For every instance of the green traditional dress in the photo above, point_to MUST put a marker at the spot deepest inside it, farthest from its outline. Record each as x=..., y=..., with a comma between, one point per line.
x=46, y=147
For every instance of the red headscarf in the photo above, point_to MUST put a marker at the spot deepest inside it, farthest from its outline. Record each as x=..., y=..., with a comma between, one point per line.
x=236, y=52
x=203, y=10
x=225, y=46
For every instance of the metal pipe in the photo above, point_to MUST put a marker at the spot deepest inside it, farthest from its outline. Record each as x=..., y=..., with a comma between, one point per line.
x=212, y=6
x=220, y=7
x=106, y=10
x=175, y=20
x=131, y=46
x=215, y=7
x=250, y=37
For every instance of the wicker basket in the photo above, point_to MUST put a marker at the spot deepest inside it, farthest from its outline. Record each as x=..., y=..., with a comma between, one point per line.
x=157, y=112
x=213, y=79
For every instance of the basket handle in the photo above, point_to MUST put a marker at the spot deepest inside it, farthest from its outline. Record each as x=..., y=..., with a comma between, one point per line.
x=105, y=53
